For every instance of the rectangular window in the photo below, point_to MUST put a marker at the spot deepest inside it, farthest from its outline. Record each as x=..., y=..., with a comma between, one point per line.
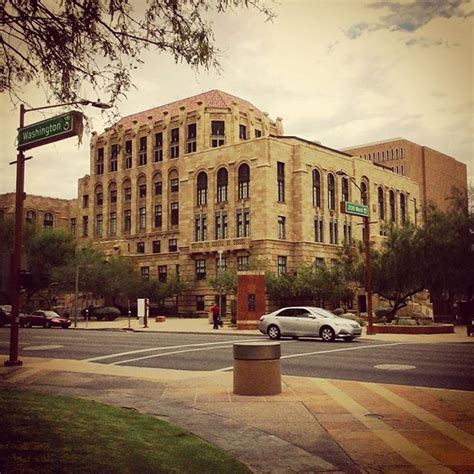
x=200, y=269
x=162, y=273
x=142, y=152
x=127, y=220
x=158, y=216
x=200, y=228
x=281, y=265
x=128, y=154
x=142, y=218
x=258, y=133
x=221, y=226
x=100, y=199
x=99, y=225
x=73, y=226
x=174, y=144
x=156, y=246
x=145, y=272
x=127, y=194
x=112, y=223
x=173, y=245
x=100, y=161
x=242, y=132
x=140, y=247
x=113, y=164
x=113, y=196
x=85, y=226
x=243, y=223
x=217, y=133
x=142, y=191
x=281, y=181
x=319, y=262
x=158, y=150
x=192, y=145
x=158, y=186
x=174, y=213
x=199, y=303
x=319, y=229
x=347, y=233
x=221, y=264
x=85, y=200
x=281, y=227
x=174, y=185
x=333, y=233
x=242, y=263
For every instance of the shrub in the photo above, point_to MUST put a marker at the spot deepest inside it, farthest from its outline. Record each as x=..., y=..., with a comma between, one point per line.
x=353, y=317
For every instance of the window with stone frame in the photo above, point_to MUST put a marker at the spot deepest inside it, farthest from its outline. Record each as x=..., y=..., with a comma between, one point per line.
x=202, y=189
x=30, y=217
x=217, y=133
x=113, y=223
x=73, y=226
x=243, y=223
x=156, y=246
x=242, y=262
x=331, y=192
x=282, y=268
x=319, y=229
x=282, y=227
x=174, y=218
x=174, y=143
x=381, y=203
x=48, y=221
x=403, y=209
x=113, y=163
x=200, y=228
x=158, y=186
x=391, y=198
x=347, y=233
x=142, y=218
x=142, y=152
x=199, y=303
x=221, y=226
x=345, y=189
x=128, y=154
x=243, y=178
x=173, y=245
x=200, y=269
x=280, y=181
x=174, y=185
x=85, y=226
x=243, y=132
x=162, y=273
x=127, y=221
x=145, y=273
x=99, y=168
x=99, y=225
x=191, y=138
x=140, y=247
x=222, y=185
x=158, y=216
x=316, y=188
x=158, y=148
x=333, y=232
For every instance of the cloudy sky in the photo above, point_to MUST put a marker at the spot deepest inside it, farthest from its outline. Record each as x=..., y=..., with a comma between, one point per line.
x=343, y=72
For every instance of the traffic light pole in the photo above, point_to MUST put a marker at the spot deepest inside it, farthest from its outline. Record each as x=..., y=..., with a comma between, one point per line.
x=16, y=258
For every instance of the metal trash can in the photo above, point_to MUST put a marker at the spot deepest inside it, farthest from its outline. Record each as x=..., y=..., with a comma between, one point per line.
x=257, y=368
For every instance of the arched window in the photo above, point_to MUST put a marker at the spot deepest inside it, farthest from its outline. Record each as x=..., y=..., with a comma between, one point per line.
x=381, y=203
x=141, y=187
x=157, y=184
x=403, y=209
x=222, y=183
x=99, y=196
x=30, y=217
x=173, y=181
x=331, y=192
x=345, y=189
x=364, y=195
x=392, y=206
x=113, y=193
x=202, y=189
x=244, y=181
x=316, y=188
x=127, y=191
x=48, y=222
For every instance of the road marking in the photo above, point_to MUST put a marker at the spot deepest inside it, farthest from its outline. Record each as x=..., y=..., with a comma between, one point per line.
x=140, y=351
x=42, y=348
x=410, y=451
x=169, y=353
x=449, y=430
x=394, y=367
x=225, y=369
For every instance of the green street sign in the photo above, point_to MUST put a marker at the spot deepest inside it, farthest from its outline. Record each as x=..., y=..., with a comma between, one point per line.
x=355, y=209
x=50, y=130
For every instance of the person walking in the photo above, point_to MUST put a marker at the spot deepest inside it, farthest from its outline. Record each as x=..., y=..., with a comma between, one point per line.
x=215, y=316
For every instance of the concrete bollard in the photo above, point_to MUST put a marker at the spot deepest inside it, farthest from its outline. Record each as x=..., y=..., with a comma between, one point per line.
x=257, y=368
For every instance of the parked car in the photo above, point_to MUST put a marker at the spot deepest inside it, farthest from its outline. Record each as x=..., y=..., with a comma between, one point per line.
x=45, y=318
x=308, y=321
x=5, y=314
x=109, y=313
x=470, y=326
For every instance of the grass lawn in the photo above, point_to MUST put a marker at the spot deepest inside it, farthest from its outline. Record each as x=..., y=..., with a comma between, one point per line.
x=47, y=433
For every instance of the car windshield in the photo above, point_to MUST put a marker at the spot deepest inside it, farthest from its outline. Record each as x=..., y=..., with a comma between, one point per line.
x=51, y=314
x=324, y=313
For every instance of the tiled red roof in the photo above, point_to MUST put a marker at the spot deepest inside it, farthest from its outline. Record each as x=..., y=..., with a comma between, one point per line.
x=214, y=98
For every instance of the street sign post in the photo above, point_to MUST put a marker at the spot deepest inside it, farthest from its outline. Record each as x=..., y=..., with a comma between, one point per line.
x=354, y=209
x=50, y=130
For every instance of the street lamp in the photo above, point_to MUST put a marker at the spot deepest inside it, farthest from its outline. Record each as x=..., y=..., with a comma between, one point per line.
x=16, y=257
x=220, y=252
x=368, y=265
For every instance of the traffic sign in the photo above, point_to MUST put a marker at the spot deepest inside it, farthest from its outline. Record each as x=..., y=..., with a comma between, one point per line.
x=50, y=130
x=355, y=209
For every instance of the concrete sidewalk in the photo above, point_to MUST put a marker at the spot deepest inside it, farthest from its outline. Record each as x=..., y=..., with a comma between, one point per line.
x=314, y=425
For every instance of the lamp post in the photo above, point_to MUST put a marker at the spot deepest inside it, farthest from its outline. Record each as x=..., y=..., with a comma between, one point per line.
x=368, y=264
x=220, y=284
x=16, y=256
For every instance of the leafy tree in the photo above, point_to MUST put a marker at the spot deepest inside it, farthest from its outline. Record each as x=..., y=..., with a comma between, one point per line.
x=225, y=282
x=67, y=45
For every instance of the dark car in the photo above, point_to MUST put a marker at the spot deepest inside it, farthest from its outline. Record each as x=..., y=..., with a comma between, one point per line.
x=109, y=313
x=5, y=314
x=470, y=326
x=45, y=318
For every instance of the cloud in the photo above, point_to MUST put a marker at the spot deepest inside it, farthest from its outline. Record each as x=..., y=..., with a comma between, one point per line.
x=410, y=17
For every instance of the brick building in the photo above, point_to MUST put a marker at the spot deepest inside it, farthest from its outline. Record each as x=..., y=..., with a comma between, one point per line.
x=210, y=181
x=436, y=173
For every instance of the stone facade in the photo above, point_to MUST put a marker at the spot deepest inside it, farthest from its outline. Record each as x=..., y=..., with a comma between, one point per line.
x=436, y=173
x=181, y=186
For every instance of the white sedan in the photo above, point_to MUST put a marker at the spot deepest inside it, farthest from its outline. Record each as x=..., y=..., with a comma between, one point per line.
x=308, y=321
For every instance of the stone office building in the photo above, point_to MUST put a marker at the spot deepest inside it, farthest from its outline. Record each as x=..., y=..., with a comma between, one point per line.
x=210, y=181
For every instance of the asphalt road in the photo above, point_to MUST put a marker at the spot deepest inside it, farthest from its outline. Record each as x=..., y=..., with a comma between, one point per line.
x=429, y=365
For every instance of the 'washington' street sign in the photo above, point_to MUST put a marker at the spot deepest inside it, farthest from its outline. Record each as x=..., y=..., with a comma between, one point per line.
x=50, y=130
x=355, y=209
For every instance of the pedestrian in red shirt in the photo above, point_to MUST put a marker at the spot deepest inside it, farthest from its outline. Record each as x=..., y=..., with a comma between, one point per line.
x=215, y=316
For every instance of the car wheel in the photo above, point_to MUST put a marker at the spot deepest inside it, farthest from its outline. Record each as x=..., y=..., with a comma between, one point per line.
x=28, y=324
x=349, y=338
x=327, y=334
x=47, y=324
x=65, y=326
x=273, y=332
